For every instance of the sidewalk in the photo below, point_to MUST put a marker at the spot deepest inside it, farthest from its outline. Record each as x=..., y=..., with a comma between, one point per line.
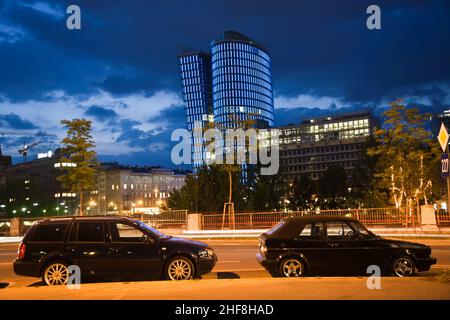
x=341, y=288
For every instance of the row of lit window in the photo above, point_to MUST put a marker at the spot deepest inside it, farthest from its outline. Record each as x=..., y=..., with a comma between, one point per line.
x=253, y=102
x=240, y=56
x=65, y=195
x=231, y=74
x=236, y=45
x=193, y=96
x=259, y=86
x=340, y=156
x=323, y=167
x=195, y=73
x=244, y=95
x=240, y=63
x=191, y=82
x=339, y=125
x=224, y=118
x=65, y=164
x=196, y=103
x=189, y=59
x=196, y=111
x=241, y=109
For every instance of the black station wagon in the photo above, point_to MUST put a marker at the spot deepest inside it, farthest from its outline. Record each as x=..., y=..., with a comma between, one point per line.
x=336, y=245
x=108, y=246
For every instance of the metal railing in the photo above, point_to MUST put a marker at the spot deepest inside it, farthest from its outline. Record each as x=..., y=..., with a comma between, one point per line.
x=173, y=219
x=442, y=217
x=263, y=220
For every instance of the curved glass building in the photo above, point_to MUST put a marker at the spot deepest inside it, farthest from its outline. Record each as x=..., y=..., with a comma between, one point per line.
x=231, y=86
x=241, y=82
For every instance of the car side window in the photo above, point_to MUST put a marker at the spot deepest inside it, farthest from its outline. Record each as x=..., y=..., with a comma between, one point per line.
x=49, y=233
x=90, y=232
x=339, y=230
x=312, y=231
x=125, y=233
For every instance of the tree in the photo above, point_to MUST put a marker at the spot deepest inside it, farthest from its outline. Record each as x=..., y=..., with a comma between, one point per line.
x=206, y=191
x=301, y=193
x=79, y=150
x=407, y=156
x=333, y=188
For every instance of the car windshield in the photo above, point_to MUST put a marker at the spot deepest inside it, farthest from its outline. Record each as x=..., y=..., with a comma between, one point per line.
x=276, y=227
x=362, y=230
x=154, y=231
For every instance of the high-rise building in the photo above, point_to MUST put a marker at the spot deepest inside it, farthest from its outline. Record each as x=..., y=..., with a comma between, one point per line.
x=241, y=82
x=231, y=86
x=195, y=70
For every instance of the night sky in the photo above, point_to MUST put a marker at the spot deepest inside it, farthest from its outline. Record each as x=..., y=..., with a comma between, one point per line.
x=120, y=70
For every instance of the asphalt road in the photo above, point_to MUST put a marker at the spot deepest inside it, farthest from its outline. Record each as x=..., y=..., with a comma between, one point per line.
x=236, y=260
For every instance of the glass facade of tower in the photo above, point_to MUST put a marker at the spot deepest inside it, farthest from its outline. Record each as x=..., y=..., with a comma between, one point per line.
x=241, y=82
x=231, y=86
x=195, y=70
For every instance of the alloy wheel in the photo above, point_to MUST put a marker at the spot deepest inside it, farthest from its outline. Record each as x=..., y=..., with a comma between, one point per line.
x=56, y=274
x=292, y=268
x=403, y=267
x=179, y=269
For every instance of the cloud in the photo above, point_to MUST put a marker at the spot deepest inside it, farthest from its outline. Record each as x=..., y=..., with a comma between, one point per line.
x=13, y=121
x=101, y=114
x=122, y=126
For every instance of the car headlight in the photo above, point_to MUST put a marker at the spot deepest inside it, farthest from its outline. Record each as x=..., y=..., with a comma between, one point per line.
x=263, y=249
x=205, y=253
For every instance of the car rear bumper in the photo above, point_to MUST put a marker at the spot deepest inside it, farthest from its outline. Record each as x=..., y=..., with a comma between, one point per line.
x=425, y=264
x=26, y=268
x=268, y=264
x=206, y=265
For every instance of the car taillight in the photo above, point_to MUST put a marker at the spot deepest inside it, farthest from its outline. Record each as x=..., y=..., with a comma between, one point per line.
x=21, y=251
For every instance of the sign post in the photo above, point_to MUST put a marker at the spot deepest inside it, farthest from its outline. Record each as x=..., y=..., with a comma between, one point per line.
x=443, y=141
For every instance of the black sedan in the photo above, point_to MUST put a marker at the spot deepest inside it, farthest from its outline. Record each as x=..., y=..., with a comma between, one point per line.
x=336, y=245
x=108, y=246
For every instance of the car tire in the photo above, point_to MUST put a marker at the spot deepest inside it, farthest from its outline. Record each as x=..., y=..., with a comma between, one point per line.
x=55, y=273
x=292, y=267
x=179, y=268
x=403, y=266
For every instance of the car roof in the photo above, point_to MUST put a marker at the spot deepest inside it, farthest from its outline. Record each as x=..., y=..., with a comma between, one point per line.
x=319, y=217
x=292, y=224
x=77, y=218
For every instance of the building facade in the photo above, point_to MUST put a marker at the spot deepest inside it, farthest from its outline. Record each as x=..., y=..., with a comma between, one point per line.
x=195, y=71
x=316, y=144
x=229, y=87
x=241, y=82
x=33, y=185
x=126, y=191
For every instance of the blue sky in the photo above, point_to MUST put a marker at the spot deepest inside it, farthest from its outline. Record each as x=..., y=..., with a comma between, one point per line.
x=120, y=70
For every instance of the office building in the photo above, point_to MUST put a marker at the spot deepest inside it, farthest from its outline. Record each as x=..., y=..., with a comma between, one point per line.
x=124, y=190
x=315, y=144
x=230, y=86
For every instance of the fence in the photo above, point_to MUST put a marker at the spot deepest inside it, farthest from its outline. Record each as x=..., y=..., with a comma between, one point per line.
x=263, y=220
x=173, y=219
x=442, y=217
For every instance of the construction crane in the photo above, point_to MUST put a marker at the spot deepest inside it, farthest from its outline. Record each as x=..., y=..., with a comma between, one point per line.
x=26, y=147
x=24, y=150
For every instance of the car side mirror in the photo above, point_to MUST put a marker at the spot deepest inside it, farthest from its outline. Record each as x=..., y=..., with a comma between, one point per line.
x=148, y=239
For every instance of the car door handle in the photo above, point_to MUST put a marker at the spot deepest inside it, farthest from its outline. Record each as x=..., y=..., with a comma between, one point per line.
x=114, y=250
x=333, y=245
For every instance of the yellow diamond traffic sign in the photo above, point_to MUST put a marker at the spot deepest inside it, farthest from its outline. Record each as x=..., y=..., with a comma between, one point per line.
x=443, y=137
